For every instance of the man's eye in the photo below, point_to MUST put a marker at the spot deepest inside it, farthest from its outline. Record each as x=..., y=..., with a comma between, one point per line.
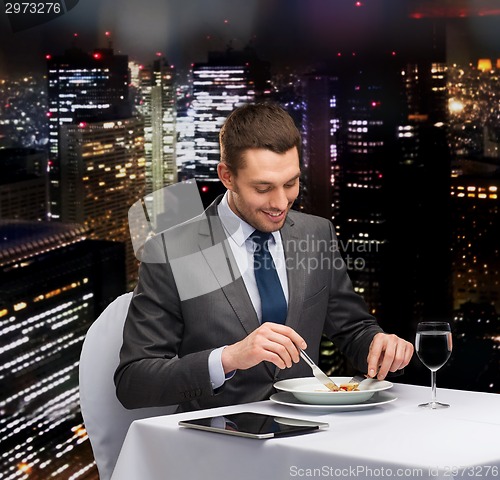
x=290, y=185
x=260, y=190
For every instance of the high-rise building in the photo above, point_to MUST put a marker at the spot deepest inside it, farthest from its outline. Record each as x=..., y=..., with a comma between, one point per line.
x=422, y=182
x=158, y=108
x=476, y=228
x=55, y=282
x=185, y=151
x=23, y=184
x=227, y=80
x=159, y=112
x=345, y=153
x=82, y=87
x=102, y=176
x=321, y=168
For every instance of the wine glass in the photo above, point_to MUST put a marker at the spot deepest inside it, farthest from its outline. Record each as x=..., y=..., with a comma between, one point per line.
x=433, y=345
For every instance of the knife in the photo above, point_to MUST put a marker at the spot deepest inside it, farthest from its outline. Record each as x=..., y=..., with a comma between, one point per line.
x=318, y=373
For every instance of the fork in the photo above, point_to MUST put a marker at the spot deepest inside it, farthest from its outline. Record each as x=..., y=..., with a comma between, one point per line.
x=357, y=379
x=318, y=373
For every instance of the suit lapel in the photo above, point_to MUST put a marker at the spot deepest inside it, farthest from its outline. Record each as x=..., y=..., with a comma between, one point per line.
x=295, y=273
x=215, y=249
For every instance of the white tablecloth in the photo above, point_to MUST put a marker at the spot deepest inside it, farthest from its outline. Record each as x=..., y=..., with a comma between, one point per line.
x=395, y=440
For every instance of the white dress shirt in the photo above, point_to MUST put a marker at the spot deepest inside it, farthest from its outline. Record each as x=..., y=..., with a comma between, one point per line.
x=242, y=248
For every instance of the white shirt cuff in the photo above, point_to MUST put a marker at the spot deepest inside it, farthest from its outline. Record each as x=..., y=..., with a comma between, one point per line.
x=216, y=370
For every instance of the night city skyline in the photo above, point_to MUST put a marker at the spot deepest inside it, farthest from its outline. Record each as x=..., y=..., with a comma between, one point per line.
x=401, y=151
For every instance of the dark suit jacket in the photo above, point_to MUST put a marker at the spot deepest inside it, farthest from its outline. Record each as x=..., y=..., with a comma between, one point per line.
x=191, y=299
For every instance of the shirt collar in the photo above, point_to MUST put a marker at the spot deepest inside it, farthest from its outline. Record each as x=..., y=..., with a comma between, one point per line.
x=229, y=219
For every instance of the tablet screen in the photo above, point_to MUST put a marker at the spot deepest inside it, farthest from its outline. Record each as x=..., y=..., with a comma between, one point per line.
x=254, y=425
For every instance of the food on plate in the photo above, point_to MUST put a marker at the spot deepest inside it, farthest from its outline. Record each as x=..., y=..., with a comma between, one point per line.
x=331, y=386
x=349, y=387
x=344, y=387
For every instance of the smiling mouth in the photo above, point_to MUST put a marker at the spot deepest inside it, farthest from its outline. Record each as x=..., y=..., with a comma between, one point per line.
x=274, y=214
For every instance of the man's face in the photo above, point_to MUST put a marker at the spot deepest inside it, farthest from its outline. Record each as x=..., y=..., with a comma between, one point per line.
x=263, y=191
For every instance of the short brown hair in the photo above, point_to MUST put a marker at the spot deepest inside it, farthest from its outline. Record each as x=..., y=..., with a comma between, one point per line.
x=260, y=125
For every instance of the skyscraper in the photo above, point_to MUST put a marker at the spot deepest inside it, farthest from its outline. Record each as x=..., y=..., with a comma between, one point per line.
x=55, y=282
x=348, y=154
x=476, y=227
x=82, y=87
x=102, y=175
x=421, y=184
x=157, y=106
x=320, y=149
x=158, y=110
x=227, y=80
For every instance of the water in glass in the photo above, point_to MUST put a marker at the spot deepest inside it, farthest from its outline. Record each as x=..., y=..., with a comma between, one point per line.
x=433, y=345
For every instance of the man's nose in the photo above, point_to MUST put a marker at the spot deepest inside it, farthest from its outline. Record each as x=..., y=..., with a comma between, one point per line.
x=279, y=199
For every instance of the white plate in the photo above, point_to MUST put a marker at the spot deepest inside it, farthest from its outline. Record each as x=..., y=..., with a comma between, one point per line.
x=379, y=398
x=309, y=390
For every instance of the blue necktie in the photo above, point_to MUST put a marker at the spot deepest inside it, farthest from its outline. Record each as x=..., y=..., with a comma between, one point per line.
x=272, y=298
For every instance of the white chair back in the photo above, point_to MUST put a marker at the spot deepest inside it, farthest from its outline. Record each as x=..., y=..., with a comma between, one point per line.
x=105, y=419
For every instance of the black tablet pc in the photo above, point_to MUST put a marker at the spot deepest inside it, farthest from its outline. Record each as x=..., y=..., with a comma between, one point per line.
x=254, y=425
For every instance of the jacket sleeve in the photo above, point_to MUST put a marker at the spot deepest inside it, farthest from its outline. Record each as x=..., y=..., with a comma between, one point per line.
x=349, y=324
x=150, y=373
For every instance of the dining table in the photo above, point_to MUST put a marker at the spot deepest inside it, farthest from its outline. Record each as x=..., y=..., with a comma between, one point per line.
x=394, y=438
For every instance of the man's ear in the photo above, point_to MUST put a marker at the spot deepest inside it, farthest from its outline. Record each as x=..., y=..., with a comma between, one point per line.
x=225, y=175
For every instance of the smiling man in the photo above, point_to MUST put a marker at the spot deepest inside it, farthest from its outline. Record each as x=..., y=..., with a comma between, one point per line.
x=240, y=289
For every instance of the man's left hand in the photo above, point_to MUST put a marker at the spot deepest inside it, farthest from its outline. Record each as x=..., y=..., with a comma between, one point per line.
x=388, y=353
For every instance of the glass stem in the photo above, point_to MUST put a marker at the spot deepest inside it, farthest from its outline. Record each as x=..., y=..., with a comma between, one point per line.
x=433, y=385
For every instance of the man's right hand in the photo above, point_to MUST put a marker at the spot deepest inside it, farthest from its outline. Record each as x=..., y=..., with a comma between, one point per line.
x=271, y=342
